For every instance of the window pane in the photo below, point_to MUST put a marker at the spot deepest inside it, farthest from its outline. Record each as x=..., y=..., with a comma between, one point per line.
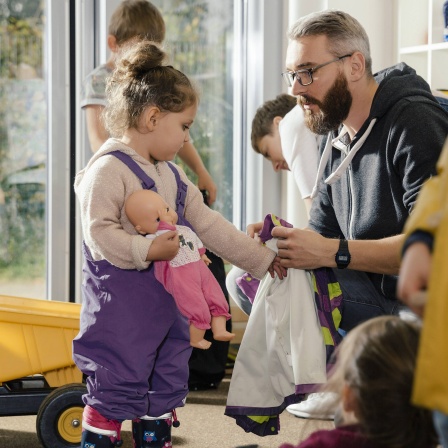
x=199, y=41
x=23, y=149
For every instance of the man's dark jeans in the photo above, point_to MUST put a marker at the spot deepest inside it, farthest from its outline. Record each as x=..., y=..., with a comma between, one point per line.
x=362, y=300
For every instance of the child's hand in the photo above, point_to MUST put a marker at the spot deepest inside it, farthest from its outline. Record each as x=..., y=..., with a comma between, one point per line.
x=205, y=259
x=164, y=247
x=414, y=276
x=205, y=182
x=275, y=266
x=254, y=229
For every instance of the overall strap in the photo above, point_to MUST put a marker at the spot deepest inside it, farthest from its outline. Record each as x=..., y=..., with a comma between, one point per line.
x=182, y=188
x=147, y=182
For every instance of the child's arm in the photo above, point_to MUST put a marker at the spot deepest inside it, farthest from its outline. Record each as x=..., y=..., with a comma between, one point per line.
x=222, y=237
x=191, y=157
x=414, y=275
x=421, y=229
x=95, y=128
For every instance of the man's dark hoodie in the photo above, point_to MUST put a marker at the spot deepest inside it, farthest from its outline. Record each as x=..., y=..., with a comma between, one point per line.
x=371, y=195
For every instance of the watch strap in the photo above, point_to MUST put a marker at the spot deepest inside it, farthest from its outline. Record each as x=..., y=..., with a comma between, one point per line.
x=343, y=256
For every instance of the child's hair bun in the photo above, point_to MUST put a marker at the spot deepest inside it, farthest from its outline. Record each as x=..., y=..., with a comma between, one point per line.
x=139, y=58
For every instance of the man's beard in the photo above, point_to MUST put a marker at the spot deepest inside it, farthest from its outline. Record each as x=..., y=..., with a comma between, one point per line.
x=333, y=109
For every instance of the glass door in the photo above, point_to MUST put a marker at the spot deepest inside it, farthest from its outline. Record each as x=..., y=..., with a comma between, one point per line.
x=199, y=41
x=23, y=149
x=35, y=142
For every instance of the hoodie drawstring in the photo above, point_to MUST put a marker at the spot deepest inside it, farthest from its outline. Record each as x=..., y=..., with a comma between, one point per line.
x=336, y=175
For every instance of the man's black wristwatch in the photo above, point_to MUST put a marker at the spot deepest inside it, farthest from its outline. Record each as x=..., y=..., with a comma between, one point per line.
x=343, y=256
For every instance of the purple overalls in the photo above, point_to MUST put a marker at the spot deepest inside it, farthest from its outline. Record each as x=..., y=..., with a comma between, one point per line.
x=133, y=343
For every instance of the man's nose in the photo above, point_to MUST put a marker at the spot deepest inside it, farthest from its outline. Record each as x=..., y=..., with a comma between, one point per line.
x=297, y=88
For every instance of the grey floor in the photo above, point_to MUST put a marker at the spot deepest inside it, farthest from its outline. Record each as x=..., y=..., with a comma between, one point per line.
x=203, y=425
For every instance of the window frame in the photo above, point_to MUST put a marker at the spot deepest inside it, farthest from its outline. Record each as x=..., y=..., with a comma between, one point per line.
x=59, y=185
x=261, y=27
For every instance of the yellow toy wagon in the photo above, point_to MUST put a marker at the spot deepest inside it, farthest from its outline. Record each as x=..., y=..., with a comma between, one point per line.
x=37, y=372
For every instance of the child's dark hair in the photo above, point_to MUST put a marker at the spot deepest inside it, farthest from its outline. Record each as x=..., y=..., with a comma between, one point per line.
x=140, y=80
x=262, y=121
x=377, y=361
x=137, y=18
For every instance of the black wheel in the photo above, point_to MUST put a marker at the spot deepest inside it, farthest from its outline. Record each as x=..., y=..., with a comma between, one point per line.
x=59, y=418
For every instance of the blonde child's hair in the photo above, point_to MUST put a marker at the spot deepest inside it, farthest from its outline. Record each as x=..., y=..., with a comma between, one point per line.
x=141, y=79
x=137, y=18
x=377, y=362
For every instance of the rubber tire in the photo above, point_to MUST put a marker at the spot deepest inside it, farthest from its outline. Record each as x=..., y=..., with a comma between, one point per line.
x=65, y=401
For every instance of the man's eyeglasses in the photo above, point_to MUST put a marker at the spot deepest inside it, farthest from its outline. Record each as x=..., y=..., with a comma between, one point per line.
x=305, y=76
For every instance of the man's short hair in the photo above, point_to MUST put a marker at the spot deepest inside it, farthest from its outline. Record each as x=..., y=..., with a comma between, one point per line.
x=344, y=33
x=137, y=18
x=262, y=121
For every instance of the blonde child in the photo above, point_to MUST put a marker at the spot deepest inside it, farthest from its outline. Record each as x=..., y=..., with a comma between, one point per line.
x=132, y=20
x=133, y=343
x=423, y=286
x=372, y=380
x=186, y=277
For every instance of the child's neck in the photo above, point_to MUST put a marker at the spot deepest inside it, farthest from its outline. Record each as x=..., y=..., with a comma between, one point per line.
x=139, y=145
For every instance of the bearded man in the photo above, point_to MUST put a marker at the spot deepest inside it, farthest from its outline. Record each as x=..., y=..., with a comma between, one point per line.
x=383, y=136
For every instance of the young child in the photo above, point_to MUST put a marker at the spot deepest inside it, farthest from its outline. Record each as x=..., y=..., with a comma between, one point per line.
x=372, y=379
x=423, y=276
x=186, y=277
x=280, y=135
x=133, y=343
x=132, y=20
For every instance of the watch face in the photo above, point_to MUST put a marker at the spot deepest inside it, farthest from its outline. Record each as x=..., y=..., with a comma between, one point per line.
x=343, y=258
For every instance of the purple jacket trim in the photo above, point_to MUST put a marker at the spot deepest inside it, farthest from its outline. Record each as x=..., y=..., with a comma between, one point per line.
x=306, y=388
x=269, y=428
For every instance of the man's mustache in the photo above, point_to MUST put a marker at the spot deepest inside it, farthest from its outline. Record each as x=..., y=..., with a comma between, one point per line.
x=302, y=100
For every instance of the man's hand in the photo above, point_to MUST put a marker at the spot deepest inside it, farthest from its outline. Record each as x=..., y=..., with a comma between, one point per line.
x=304, y=249
x=414, y=276
x=164, y=247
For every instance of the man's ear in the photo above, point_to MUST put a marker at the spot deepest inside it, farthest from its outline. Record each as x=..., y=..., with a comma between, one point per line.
x=112, y=43
x=152, y=117
x=357, y=66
